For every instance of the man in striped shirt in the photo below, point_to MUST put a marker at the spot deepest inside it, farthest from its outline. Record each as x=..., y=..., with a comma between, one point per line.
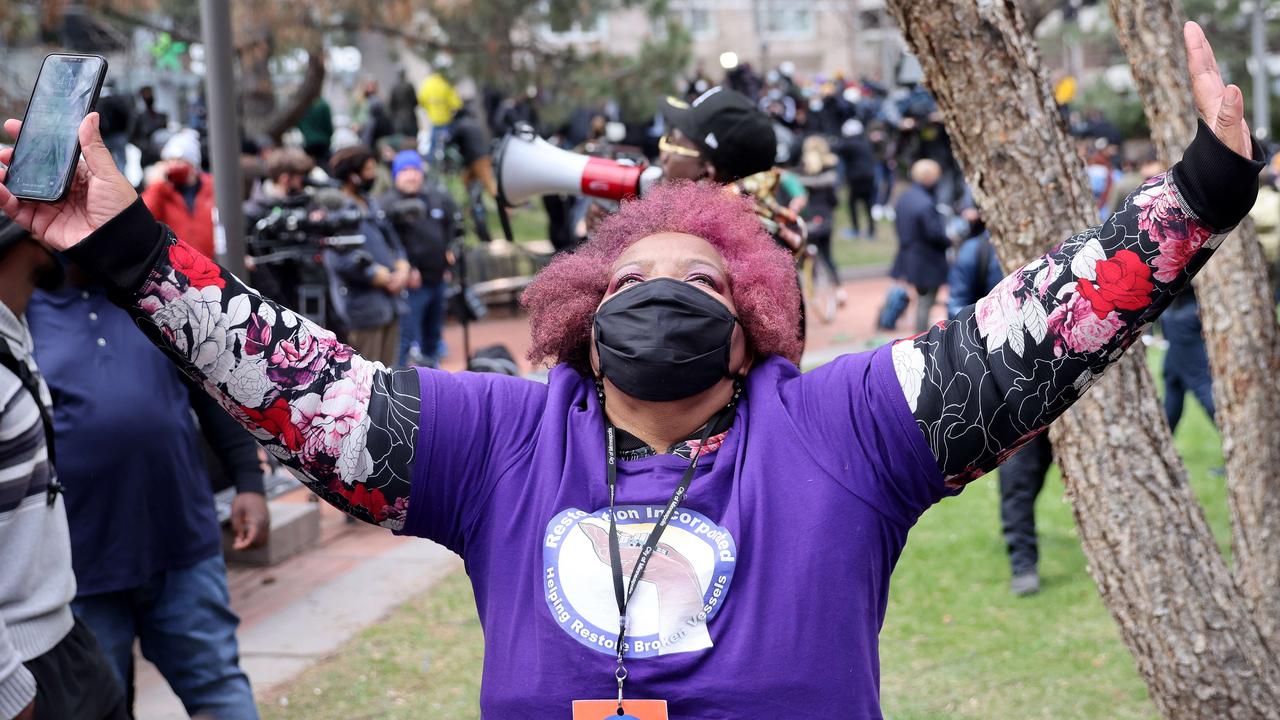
x=50, y=665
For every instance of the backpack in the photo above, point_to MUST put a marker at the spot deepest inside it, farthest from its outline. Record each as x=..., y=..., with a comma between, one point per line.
x=895, y=304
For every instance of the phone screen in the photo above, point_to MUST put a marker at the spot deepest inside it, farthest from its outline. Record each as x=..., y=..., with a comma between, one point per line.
x=48, y=146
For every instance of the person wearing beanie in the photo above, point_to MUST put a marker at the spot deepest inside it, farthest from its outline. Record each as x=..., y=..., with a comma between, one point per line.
x=180, y=195
x=50, y=664
x=427, y=221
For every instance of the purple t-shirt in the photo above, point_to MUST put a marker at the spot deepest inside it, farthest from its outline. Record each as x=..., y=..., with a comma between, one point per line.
x=768, y=590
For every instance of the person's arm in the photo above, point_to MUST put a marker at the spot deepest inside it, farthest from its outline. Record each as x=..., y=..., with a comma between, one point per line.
x=986, y=383
x=960, y=285
x=932, y=229
x=349, y=425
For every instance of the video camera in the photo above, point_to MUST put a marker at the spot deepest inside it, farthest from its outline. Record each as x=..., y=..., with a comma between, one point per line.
x=290, y=244
x=296, y=227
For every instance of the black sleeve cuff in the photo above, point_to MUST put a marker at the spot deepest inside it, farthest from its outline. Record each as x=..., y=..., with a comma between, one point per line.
x=251, y=482
x=1218, y=184
x=122, y=253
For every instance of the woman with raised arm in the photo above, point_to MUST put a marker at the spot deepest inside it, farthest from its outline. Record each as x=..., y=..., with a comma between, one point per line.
x=679, y=518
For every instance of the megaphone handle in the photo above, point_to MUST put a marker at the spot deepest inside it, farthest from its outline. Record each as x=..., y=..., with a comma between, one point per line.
x=460, y=265
x=506, y=222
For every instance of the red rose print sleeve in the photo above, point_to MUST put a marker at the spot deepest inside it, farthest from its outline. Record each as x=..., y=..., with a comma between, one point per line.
x=347, y=424
x=984, y=384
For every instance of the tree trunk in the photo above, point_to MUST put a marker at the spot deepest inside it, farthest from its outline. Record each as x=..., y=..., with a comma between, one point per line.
x=302, y=99
x=1149, y=547
x=1238, y=312
x=258, y=91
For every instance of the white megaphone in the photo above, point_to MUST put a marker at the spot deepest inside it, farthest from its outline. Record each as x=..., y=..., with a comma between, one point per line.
x=528, y=166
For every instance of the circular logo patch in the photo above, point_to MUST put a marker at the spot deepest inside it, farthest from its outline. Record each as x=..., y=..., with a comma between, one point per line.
x=683, y=587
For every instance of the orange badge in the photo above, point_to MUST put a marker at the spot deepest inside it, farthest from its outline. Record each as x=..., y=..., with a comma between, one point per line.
x=608, y=710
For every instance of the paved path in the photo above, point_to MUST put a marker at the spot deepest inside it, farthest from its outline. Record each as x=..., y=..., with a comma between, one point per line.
x=300, y=611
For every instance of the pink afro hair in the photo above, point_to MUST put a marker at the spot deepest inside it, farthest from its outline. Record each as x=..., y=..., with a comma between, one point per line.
x=563, y=298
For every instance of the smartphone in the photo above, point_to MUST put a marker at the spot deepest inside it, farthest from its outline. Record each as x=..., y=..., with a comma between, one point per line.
x=48, y=146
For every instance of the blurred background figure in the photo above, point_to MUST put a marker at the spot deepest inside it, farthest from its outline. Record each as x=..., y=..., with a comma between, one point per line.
x=818, y=206
x=316, y=127
x=859, y=164
x=1186, y=364
x=116, y=114
x=149, y=122
x=440, y=100
x=922, y=239
x=375, y=275
x=180, y=194
x=404, y=107
x=427, y=222
x=375, y=119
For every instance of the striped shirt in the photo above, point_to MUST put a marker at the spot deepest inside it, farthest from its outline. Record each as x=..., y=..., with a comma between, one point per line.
x=36, y=582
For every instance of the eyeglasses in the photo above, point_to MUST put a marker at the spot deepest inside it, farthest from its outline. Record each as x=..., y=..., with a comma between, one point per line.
x=665, y=145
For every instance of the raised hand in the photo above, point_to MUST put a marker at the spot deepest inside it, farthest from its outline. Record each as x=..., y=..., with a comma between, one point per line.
x=98, y=193
x=1221, y=106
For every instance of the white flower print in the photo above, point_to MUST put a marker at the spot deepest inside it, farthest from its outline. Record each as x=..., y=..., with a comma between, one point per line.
x=248, y=384
x=908, y=363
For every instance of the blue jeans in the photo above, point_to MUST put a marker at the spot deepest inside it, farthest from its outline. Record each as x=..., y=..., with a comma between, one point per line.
x=424, y=323
x=184, y=621
x=439, y=138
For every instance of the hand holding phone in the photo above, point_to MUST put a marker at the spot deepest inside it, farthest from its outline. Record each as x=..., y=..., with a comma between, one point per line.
x=44, y=156
x=98, y=192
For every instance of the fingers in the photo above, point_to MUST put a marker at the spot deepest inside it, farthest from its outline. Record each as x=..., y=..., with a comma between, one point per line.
x=1206, y=82
x=8, y=203
x=96, y=154
x=241, y=528
x=1230, y=126
x=12, y=127
x=1231, y=113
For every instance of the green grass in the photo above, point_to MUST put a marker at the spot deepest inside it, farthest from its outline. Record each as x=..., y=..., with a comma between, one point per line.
x=423, y=661
x=862, y=253
x=955, y=643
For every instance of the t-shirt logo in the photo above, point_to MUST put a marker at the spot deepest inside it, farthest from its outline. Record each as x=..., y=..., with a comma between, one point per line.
x=683, y=587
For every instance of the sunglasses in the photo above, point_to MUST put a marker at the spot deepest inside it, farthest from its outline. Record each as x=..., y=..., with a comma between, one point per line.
x=665, y=145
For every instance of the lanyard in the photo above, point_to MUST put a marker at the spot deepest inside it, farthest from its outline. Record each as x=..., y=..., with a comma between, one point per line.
x=622, y=595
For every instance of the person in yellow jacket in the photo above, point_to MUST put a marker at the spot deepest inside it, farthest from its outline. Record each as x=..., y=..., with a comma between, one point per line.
x=438, y=97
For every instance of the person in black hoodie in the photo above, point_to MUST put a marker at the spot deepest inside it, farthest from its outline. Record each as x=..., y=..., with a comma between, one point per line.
x=855, y=151
x=427, y=221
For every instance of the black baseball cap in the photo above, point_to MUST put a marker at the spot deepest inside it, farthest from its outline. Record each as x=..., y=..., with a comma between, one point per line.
x=735, y=135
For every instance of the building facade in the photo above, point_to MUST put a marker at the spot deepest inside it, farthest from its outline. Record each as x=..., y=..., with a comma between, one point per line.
x=819, y=37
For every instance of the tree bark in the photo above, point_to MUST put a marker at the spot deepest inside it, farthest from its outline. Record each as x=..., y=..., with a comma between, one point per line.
x=1238, y=312
x=1149, y=547
x=302, y=99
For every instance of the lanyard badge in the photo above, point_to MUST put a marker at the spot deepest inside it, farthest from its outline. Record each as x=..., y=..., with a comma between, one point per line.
x=621, y=707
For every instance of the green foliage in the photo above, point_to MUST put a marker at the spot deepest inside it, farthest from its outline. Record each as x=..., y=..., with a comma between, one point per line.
x=955, y=645
x=500, y=43
x=1123, y=109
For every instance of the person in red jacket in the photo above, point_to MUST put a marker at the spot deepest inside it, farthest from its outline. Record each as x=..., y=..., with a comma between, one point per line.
x=181, y=195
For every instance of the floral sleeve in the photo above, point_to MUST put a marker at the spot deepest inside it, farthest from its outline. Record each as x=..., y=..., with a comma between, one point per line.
x=347, y=424
x=989, y=381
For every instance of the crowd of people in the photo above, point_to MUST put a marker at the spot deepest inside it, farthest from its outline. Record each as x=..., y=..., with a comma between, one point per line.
x=351, y=228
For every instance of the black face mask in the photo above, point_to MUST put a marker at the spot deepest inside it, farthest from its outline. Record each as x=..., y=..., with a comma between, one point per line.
x=363, y=184
x=664, y=340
